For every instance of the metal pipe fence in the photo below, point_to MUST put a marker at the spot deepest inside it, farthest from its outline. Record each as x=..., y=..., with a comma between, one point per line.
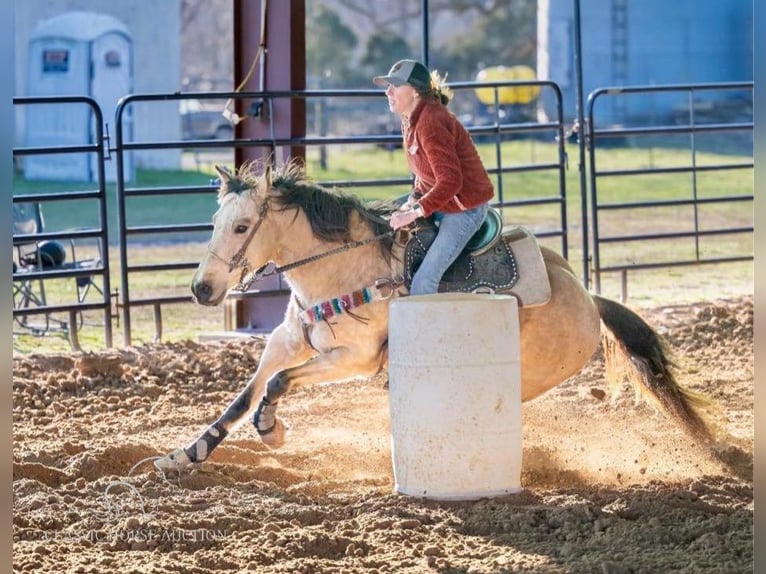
x=709, y=109
x=495, y=129
x=496, y=132
x=29, y=279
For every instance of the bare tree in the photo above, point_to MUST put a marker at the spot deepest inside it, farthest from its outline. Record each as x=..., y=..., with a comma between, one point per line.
x=207, y=32
x=464, y=34
x=387, y=13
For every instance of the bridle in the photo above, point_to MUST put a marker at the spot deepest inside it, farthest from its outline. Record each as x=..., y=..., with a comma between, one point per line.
x=238, y=260
x=248, y=275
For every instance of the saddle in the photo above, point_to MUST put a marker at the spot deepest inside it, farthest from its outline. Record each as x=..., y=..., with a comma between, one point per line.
x=494, y=261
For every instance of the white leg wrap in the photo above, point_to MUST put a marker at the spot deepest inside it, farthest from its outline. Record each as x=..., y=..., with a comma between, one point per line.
x=175, y=460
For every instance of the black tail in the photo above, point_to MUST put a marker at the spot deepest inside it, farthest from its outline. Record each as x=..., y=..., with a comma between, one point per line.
x=636, y=352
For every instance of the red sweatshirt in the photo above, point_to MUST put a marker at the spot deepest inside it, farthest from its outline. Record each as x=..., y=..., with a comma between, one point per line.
x=449, y=175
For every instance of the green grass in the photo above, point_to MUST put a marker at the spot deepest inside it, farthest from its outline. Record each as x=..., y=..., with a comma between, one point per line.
x=348, y=163
x=374, y=163
x=69, y=214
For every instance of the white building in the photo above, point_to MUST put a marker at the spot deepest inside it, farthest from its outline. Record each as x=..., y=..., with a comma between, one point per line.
x=154, y=29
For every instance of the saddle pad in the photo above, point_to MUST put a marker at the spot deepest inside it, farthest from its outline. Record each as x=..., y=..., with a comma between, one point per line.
x=532, y=287
x=512, y=264
x=494, y=269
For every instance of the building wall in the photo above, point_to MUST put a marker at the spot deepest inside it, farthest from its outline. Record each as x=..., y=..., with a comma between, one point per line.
x=156, y=34
x=678, y=42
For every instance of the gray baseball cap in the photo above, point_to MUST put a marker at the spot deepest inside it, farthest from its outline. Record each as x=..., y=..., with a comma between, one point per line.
x=409, y=72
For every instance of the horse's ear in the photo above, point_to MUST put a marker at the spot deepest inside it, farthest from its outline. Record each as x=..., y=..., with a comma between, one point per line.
x=231, y=182
x=267, y=175
x=224, y=173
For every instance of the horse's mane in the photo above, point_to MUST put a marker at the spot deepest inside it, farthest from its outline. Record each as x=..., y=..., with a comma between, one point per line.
x=329, y=211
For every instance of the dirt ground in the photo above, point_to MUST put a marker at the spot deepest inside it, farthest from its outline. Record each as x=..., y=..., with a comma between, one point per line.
x=608, y=486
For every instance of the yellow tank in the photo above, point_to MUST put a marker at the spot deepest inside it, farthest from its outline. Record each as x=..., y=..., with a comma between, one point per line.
x=507, y=94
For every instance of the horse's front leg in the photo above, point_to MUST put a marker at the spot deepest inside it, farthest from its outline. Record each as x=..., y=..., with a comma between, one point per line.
x=283, y=349
x=334, y=365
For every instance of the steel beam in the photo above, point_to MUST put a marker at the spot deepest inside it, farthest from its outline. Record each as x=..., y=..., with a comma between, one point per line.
x=280, y=66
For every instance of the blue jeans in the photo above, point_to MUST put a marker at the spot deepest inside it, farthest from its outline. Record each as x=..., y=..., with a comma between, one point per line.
x=455, y=231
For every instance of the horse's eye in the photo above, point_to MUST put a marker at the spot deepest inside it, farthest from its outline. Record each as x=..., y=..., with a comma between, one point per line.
x=240, y=229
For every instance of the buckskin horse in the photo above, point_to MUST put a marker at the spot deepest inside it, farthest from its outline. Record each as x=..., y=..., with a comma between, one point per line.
x=344, y=266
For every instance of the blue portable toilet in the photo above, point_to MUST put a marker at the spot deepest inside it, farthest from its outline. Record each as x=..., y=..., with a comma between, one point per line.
x=83, y=54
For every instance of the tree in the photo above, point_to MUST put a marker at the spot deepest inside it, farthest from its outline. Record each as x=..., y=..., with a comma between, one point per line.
x=347, y=41
x=505, y=35
x=384, y=47
x=329, y=45
x=207, y=32
x=464, y=35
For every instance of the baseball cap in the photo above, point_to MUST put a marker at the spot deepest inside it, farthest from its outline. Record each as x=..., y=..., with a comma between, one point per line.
x=409, y=72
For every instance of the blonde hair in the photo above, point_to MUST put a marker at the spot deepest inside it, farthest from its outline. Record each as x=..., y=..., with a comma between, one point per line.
x=438, y=88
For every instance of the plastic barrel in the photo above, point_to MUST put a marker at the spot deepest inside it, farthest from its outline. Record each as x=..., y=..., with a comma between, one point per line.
x=455, y=395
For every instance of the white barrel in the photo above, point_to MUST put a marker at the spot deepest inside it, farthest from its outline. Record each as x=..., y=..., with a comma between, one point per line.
x=455, y=395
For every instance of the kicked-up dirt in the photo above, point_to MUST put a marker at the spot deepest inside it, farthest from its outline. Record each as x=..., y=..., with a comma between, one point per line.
x=608, y=486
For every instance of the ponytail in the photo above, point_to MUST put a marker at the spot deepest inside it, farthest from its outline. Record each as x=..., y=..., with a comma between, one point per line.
x=438, y=88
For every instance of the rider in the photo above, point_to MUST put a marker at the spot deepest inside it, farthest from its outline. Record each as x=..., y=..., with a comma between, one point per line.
x=451, y=182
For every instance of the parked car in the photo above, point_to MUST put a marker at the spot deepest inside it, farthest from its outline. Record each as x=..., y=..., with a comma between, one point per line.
x=202, y=121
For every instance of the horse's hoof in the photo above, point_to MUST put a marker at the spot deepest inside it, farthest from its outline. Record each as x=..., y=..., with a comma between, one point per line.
x=175, y=460
x=275, y=438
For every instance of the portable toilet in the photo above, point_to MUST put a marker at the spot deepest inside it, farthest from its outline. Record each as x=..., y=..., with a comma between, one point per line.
x=82, y=54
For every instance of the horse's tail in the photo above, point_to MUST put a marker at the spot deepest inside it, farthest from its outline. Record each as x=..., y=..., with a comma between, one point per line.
x=635, y=351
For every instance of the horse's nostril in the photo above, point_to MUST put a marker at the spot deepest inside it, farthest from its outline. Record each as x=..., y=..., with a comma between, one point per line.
x=201, y=290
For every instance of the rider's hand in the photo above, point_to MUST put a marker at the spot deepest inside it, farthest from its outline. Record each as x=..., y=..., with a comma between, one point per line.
x=403, y=218
x=411, y=200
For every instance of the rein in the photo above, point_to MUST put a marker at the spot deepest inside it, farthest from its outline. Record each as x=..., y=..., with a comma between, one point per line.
x=249, y=276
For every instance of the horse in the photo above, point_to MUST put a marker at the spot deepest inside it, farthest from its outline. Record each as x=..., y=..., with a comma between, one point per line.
x=344, y=266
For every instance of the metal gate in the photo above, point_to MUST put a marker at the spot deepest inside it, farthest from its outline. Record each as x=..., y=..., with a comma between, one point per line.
x=42, y=255
x=692, y=125
x=704, y=111
x=496, y=132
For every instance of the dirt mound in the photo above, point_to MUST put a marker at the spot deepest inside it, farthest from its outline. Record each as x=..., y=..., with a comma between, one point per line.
x=609, y=486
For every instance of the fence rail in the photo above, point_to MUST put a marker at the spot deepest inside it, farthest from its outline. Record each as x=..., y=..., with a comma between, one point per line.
x=598, y=137
x=29, y=278
x=495, y=131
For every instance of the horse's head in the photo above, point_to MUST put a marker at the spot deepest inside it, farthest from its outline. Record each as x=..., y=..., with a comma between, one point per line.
x=277, y=216
x=242, y=237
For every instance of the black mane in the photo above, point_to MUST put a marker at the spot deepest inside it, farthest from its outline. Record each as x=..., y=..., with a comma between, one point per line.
x=329, y=211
